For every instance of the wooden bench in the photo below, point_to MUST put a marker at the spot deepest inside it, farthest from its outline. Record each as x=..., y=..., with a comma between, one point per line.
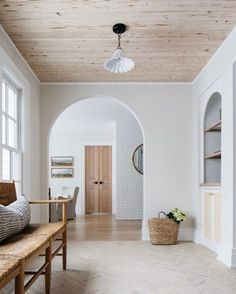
x=9, y=269
x=19, y=251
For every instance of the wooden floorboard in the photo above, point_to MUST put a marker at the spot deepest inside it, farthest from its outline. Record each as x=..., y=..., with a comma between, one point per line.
x=104, y=227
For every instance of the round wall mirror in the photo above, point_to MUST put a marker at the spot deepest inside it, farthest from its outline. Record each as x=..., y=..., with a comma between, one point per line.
x=138, y=159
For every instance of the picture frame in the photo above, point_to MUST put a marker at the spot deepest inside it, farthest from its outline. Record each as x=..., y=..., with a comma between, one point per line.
x=62, y=161
x=62, y=173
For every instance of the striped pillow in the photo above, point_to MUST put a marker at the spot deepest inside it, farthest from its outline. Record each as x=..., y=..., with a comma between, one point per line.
x=14, y=217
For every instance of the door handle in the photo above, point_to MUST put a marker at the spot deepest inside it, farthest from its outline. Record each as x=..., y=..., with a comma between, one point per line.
x=101, y=182
x=96, y=182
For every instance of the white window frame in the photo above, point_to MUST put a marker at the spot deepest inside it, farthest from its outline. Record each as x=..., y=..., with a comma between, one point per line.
x=6, y=146
x=19, y=77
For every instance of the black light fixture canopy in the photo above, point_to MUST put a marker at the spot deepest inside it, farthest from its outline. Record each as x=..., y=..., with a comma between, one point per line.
x=119, y=28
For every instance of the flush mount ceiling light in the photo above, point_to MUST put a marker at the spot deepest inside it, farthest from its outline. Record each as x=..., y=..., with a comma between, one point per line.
x=119, y=63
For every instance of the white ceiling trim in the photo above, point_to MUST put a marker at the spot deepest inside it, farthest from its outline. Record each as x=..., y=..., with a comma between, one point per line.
x=116, y=83
x=230, y=35
x=18, y=53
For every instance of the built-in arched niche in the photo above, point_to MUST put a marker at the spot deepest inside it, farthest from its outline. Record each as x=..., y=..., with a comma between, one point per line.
x=212, y=140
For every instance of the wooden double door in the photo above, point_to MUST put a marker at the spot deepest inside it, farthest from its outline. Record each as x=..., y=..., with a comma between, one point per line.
x=98, y=179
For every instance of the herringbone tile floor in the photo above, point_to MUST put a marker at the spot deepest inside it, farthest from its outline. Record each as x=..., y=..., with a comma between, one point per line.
x=112, y=264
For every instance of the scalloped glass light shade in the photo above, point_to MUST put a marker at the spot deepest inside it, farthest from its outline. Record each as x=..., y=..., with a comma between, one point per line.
x=119, y=63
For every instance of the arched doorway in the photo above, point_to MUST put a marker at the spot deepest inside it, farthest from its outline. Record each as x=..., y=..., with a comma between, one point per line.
x=94, y=122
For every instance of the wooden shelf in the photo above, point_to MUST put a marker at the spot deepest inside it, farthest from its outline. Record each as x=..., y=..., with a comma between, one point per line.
x=210, y=184
x=214, y=128
x=213, y=155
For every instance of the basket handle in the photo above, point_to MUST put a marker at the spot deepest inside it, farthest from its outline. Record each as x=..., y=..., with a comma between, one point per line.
x=161, y=212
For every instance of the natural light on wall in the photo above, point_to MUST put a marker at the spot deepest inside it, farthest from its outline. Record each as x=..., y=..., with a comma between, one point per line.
x=11, y=139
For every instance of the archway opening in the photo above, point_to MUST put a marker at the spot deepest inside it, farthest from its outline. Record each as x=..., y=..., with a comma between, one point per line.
x=91, y=146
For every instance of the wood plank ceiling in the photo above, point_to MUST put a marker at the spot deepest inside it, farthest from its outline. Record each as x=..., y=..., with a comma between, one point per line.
x=69, y=40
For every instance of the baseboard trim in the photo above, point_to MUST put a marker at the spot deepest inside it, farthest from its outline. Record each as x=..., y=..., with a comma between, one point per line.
x=185, y=234
x=227, y=256
x=233, y=258
x=145, y=233
x=210, y=245
x=197, y=236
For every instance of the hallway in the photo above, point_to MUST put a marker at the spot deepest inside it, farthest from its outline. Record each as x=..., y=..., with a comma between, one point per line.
x=103, y=227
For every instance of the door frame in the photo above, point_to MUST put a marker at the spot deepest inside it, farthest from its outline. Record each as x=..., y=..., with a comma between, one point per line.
x=99, y=143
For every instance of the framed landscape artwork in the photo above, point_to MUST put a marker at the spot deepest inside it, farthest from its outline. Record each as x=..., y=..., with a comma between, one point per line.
x=63, y=161
x=62, y=172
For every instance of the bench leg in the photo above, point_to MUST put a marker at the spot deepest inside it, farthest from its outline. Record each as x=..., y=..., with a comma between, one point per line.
x=64, y=250
x=19, y=280
x=64, y=237
x=48, y=271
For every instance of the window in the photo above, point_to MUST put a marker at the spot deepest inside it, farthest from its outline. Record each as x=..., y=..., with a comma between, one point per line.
x=11, y=139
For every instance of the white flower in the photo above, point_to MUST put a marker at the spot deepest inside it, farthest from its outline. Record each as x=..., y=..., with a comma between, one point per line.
x=178, y=214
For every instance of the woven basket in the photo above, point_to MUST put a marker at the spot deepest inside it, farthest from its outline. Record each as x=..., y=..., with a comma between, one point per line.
x=163, y=231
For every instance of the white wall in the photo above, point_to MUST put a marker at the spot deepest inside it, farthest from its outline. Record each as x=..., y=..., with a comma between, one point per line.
x=165, y=113
x=218, y=75
x=129, y=182
x=13, y=64
x=71, y=143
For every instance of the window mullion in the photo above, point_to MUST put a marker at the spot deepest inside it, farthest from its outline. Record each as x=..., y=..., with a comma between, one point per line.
x=11, y=165
x=6, y=109
x=11, y=148
x=10, y=117
x=18, y=121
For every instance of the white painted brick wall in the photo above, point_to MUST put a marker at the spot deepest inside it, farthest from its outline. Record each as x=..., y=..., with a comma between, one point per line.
x=129, y=183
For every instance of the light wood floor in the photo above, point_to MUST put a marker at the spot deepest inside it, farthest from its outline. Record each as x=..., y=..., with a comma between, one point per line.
x=103, y=227
x=107, y=257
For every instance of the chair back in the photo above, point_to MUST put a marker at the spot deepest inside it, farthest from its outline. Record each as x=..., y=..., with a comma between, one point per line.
x=71, y=211
x=7, y=193
x=76, y=192
x=75, y=195
x=65, y=190
x=73, y=192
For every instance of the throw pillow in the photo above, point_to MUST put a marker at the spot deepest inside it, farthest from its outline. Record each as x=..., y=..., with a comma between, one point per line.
x=14, y=217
